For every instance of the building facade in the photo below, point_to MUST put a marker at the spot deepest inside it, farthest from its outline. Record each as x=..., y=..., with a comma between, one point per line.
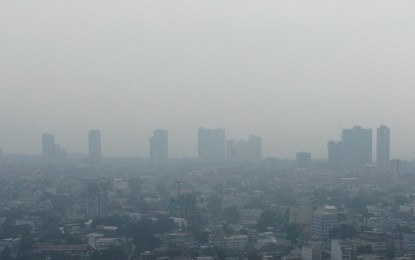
x=324, y=220
x=96, y=192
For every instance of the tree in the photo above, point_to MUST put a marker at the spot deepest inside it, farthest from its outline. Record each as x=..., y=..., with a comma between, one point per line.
x=269, y=218
x=163, y=224
x=6, y=254
x=293, y=231
x=214, y=204
x=199, y=235
x=343, y=231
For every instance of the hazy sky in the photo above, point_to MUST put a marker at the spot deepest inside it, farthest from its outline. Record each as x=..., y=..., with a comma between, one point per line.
x=294, y=72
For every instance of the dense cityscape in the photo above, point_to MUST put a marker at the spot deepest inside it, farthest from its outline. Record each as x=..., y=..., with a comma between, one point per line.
x=228, y=203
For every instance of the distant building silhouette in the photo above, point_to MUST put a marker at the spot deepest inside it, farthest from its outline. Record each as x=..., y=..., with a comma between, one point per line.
x=96, y=198
x=303, y=159
x=94, y=145
x=353, y=151
x=241, y=150
x=357, y=147
x=159, y=146
x=50, y=150
x=211, y=144
x=382, y=147
x=48, y=145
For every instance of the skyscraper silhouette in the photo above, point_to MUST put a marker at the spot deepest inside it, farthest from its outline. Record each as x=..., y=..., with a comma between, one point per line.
x=353, y=151
x=211, y=144
x=159, y=146
x=356, y=147
x=94, y=145
x=50, y=150
x=382, y=146
x=241, y=150
x=48, y=146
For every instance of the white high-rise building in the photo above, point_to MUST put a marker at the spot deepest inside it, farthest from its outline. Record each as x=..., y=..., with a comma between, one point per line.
x=324, y=220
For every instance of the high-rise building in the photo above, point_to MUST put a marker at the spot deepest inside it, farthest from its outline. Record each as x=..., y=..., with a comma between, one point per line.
x=94, y=145
x=96, y=192
x=382, y=146
x=159, y=146
x=211, y=144
x=48, y=145
x=50, y=150
x=324, y=220
x=250, y=151
x=356, y=147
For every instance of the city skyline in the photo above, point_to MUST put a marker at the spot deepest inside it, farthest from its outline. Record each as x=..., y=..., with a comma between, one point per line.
x=207, y=130
x=289, y=71
x=358, y=146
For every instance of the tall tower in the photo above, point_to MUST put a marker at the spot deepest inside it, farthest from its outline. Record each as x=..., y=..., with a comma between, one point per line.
x=96, y=198
x=159, y=146
x=48, y=146
x=211, y=144
x=356, y=147
x=382, y=146
x=94, y=145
